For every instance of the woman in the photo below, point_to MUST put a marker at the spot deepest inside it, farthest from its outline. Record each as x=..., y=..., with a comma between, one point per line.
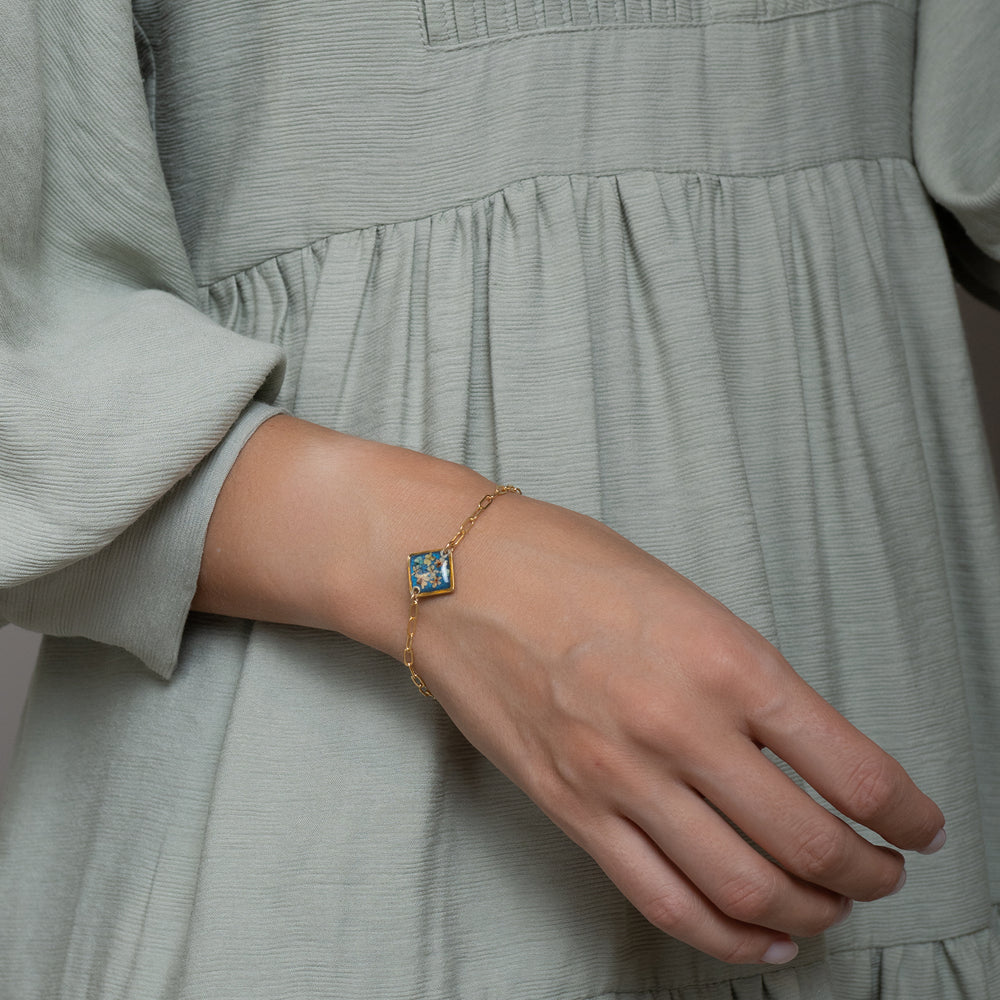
x=668, y=265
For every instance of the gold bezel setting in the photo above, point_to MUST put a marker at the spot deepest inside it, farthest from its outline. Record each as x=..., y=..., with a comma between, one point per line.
x=432, y=573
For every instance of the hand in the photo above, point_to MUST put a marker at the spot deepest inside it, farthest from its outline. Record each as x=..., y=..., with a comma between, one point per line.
x=628, y=703
x=632, y=707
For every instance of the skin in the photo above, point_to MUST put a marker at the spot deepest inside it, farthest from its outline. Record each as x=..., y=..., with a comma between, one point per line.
x=626, y=709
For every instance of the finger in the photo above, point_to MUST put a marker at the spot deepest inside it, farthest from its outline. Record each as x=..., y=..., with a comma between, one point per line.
x=850, y=771
x=803, y=837
x=730, y=873
x=665, y=897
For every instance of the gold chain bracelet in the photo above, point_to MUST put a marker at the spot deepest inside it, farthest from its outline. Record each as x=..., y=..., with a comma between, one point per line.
x=433, y=573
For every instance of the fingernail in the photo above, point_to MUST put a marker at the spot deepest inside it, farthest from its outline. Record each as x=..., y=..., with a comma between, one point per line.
x=846, y=912
x=899, y=884
x=780, y=952
x=936, y=844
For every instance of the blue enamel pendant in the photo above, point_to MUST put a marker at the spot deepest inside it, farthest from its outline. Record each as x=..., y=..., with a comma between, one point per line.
x=431, y=573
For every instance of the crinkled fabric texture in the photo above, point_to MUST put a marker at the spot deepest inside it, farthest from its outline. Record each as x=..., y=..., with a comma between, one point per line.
x=670, y=265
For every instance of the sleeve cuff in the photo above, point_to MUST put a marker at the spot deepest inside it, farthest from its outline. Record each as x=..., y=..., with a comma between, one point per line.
x=135, y=592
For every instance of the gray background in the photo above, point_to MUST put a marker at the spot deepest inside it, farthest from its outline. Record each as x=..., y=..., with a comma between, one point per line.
x=18, y=648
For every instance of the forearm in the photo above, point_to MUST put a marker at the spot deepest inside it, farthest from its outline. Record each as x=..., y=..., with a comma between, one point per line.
x=312, y=528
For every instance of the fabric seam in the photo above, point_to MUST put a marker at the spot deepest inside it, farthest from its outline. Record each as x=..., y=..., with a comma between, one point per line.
x=767, y=20
x=655, y=989
x=318, y=241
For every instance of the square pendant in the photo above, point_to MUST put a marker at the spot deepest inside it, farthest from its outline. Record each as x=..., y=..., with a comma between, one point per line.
x=432, y=573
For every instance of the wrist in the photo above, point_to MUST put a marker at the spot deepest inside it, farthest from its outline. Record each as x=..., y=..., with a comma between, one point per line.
x=313, y=527
x=403, y=502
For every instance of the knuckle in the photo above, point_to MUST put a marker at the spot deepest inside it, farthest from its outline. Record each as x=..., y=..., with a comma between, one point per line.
x=649, y=722
x=750, y=898
x=748, y=669
x=670, y=911
x=587, y=761
x=873, y=786
x=726, y=654
x=819, y=853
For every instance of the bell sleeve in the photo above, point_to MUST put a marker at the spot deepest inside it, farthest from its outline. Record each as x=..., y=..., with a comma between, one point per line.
x=956, y=133
x=122, y=406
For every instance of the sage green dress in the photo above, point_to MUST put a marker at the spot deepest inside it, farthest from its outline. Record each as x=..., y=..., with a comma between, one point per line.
x=673, y=263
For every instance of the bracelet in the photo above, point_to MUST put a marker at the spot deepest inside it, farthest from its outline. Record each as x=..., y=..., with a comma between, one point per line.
x=433, y=573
